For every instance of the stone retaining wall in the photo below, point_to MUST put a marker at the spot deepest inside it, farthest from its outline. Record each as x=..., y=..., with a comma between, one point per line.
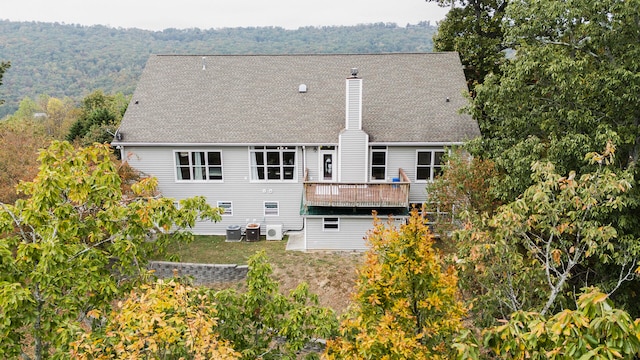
x=202, y=274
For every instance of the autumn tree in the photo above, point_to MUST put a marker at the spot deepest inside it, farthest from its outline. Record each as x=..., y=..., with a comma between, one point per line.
x=461, y=192
x=406, y=305
x=20, y=142
x=594, y=330
x=22, y=134
x=59, y=114
x=555, y=238
x=262, y=323
x=75, y=243
x=52, y=114
x=161, y=320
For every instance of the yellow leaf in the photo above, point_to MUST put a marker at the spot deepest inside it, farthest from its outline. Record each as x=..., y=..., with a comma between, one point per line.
x=94, y=314
x=600, y=298
x=556, y=256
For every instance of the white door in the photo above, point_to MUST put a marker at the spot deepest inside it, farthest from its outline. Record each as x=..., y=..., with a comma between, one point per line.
x=327, y=167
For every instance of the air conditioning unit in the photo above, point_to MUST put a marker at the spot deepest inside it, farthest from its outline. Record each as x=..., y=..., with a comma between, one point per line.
x=274, y=231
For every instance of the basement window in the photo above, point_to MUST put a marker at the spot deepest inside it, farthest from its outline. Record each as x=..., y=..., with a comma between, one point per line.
x=331, y=224
x=227, y=206
x=271, y=208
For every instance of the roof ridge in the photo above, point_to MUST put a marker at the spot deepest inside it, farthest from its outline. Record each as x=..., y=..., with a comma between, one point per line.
x=303, y=55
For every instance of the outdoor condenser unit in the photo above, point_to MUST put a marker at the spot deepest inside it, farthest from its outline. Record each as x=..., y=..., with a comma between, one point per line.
x=274, y=231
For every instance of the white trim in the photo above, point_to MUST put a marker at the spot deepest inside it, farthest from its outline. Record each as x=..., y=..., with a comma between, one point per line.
x=418, y=144
x=205, y=165
x=343, y=216
x=304, y=231
x=251, y=150
x=386, y=162
x=432, y=166
x=334, y=164
x=399, y=143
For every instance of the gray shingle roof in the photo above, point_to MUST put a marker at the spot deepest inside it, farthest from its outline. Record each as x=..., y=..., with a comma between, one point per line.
x=239, y=99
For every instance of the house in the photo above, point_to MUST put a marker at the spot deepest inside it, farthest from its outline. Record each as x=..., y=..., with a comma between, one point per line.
x=305, y=143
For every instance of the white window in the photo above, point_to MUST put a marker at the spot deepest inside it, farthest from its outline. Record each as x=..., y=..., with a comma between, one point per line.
x=331, y=224
x=227, y=206
x=198, y=165
x=428, y=164
x=378, y=163
x=273, y=163
x=271, y=208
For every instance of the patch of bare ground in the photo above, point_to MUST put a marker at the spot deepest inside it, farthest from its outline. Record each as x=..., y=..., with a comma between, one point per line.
x=330, y=275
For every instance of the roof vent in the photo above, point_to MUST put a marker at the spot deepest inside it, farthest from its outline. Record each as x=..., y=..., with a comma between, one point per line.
x=204, y=64
x=354, y=72
x=302, y=88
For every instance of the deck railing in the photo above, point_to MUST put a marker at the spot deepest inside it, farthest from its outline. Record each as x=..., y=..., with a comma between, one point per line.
x=350, y=194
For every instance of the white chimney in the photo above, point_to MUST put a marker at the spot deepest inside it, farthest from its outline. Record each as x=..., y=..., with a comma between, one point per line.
x=353, y=142
x=354, y=102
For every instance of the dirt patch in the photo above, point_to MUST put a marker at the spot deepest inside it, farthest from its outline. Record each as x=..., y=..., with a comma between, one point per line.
x=331, y=276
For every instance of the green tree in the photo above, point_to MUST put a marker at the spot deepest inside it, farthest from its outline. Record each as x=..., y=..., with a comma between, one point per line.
x=474, y=30
x=26, y=109
x=573, y=84
x=595, y=330
x=161, y=320
x=4, y=65
x=261, y=323
x=405, y=306
x=75, y=243
x=99, y=118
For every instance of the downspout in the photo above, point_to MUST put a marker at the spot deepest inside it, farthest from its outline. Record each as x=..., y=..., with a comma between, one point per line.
x=304, y=158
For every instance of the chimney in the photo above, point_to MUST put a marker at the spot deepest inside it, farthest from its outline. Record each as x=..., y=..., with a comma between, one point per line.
x=354, y=101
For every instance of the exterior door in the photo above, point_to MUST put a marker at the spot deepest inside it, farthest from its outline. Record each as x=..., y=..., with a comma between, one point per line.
x=327, y=167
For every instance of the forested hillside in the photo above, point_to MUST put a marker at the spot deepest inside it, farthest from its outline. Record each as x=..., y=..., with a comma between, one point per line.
x=72, y=60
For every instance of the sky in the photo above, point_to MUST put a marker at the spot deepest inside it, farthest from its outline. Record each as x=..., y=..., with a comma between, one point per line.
x=208, y=14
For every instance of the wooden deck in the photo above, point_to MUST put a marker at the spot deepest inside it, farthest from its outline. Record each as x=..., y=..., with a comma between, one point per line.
x=394, y=194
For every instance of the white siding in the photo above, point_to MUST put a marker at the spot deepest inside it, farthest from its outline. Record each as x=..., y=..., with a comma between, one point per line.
x=311, y=163
x=350, y=236
x=247, y=197
x=352, y=156
x=404, y=157
x=354, y=104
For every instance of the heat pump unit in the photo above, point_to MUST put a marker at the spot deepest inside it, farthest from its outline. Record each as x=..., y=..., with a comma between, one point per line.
x=274, y=231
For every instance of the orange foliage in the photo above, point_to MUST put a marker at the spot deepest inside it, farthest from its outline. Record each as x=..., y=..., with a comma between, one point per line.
x=19, y=145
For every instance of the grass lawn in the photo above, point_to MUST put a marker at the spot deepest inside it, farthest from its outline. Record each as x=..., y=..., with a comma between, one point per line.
x=215, y=250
